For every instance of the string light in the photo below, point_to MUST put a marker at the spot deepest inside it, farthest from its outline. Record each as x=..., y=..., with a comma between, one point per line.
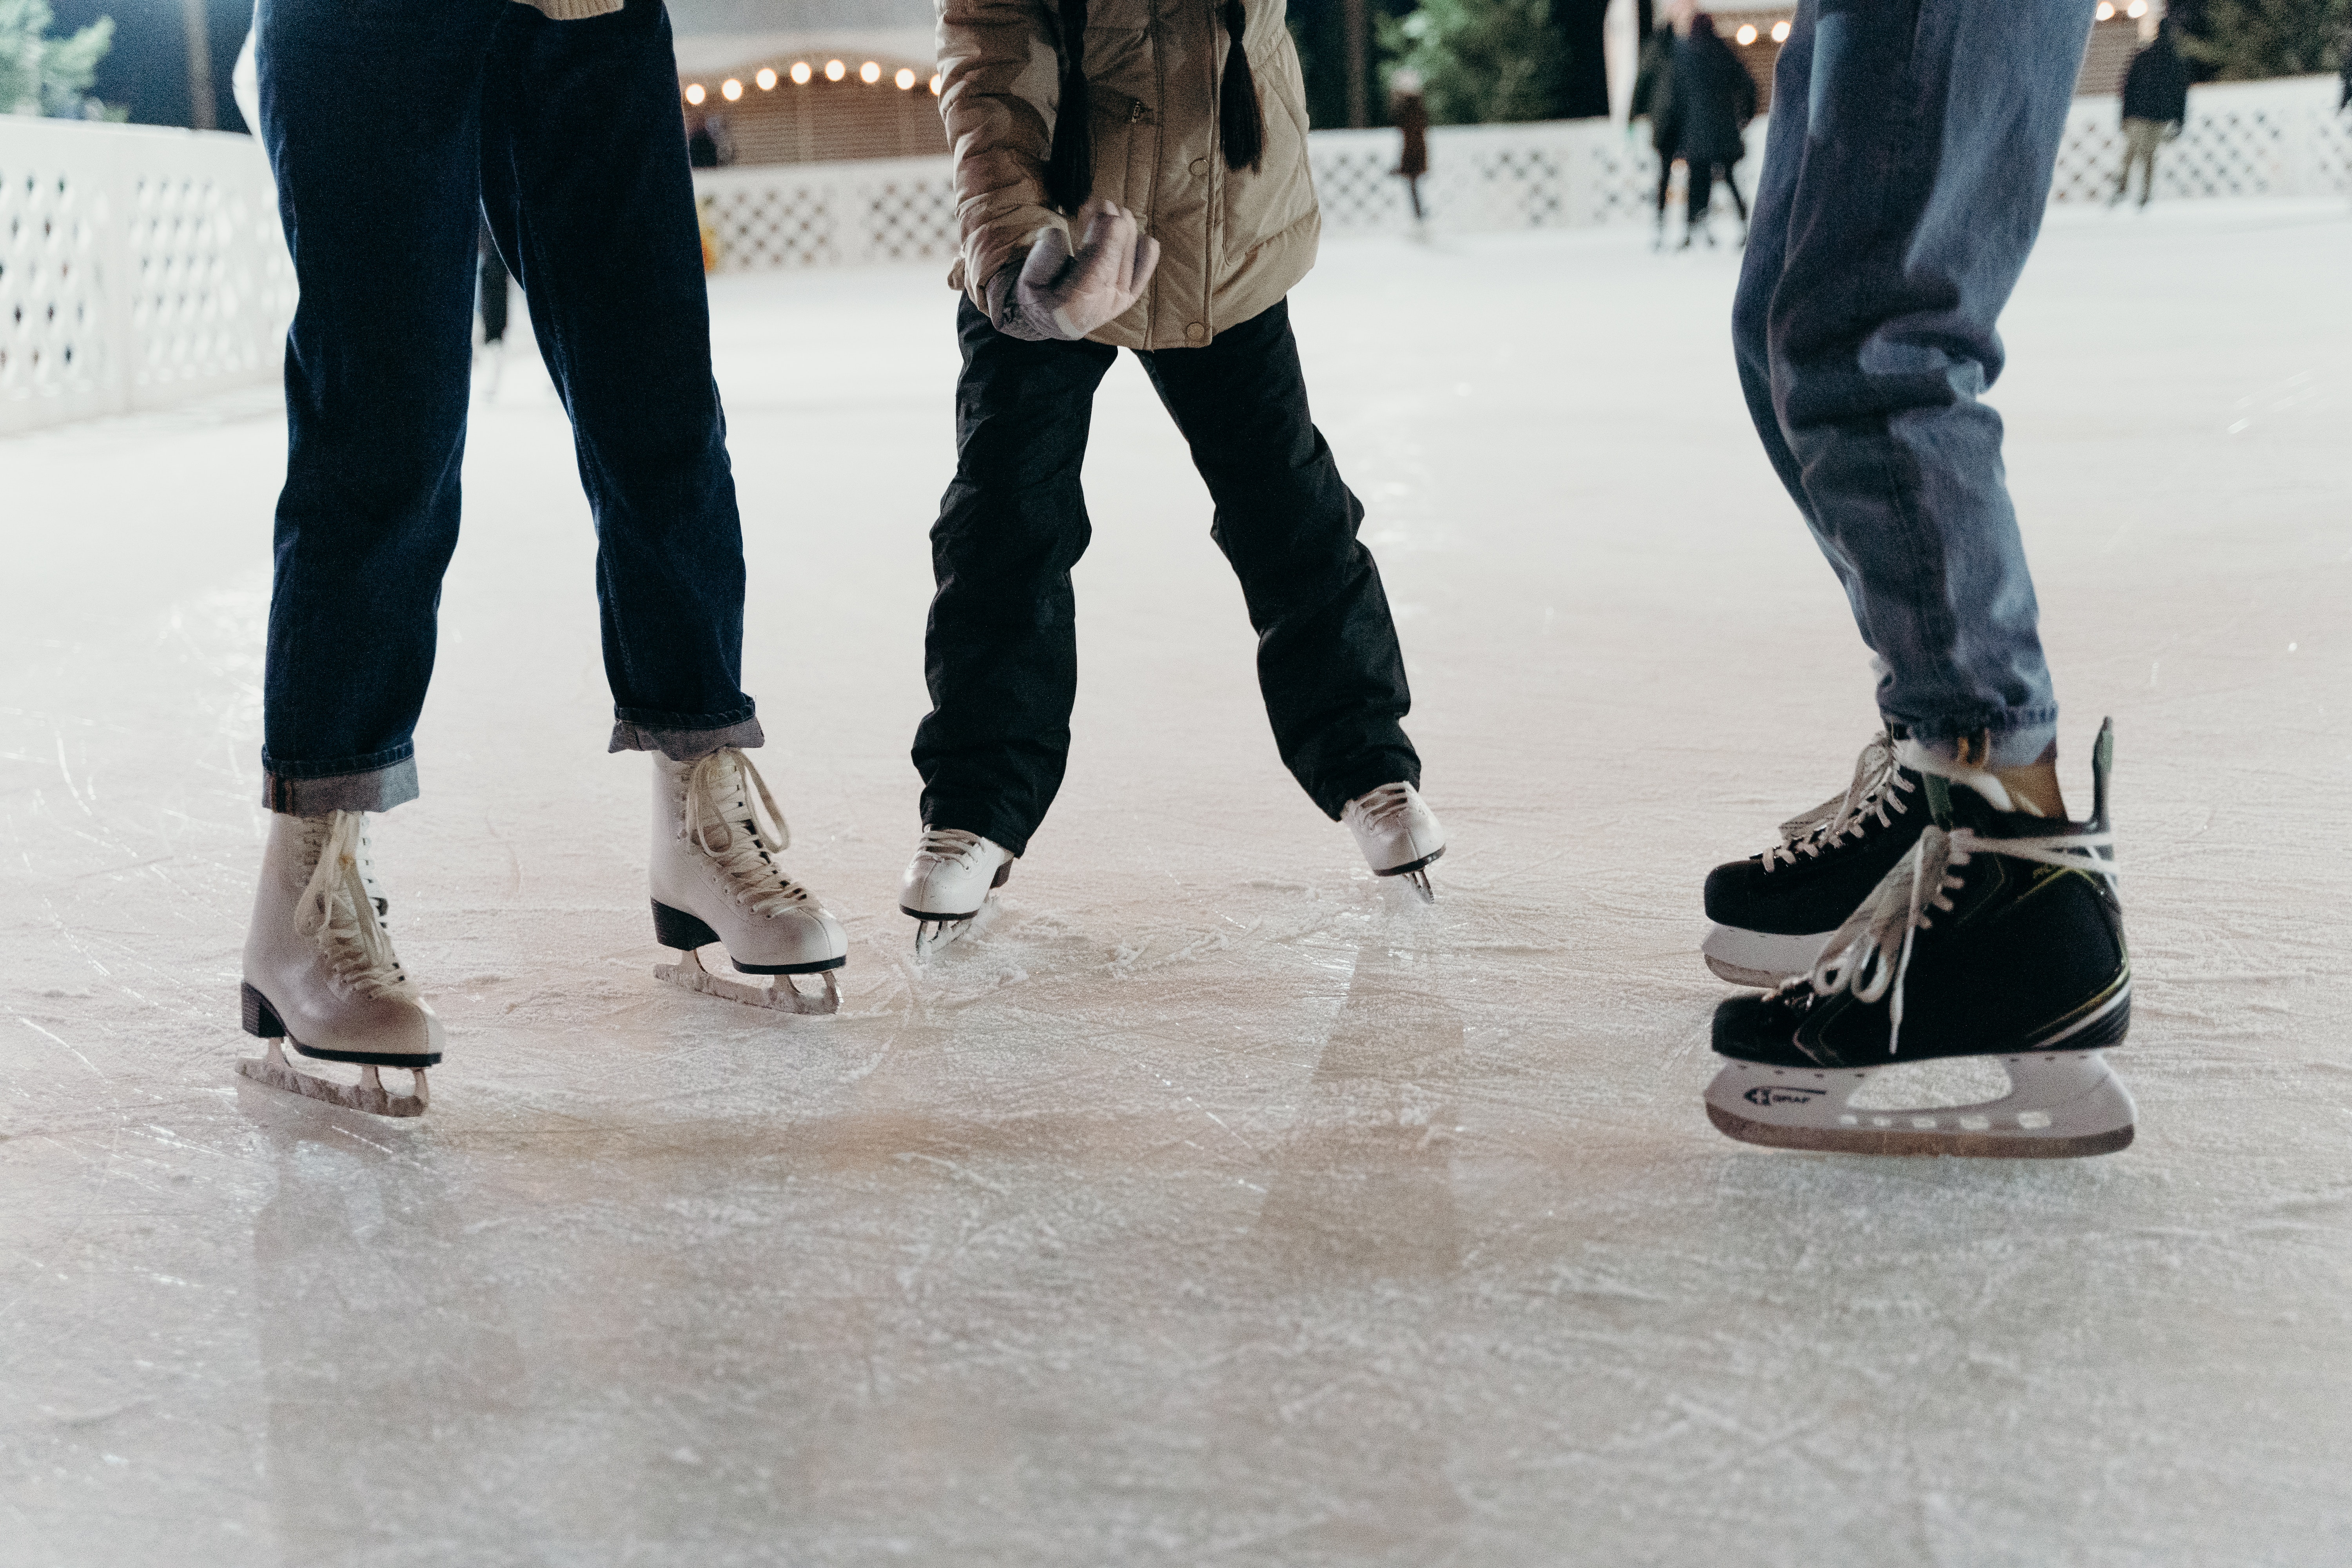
x=801, y=73
x=694, y=92
x=869, y=73
x=2136, y=9
x=730, y=89
x=1780, y=32
x=1745, y=36
x=934, y=84
x=2105, y=13
x=835, y=70
x=766, y=78
x=905, y=78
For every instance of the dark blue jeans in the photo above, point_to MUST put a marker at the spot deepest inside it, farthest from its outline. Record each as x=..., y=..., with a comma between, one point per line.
x=1904, y=183
x=395, y=128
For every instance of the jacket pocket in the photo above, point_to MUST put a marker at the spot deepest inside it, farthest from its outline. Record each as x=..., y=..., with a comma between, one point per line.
x=1122, y=128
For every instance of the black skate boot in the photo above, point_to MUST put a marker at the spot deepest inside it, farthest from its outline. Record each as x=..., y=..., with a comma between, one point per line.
x=1998, y=935
x=1773, y=912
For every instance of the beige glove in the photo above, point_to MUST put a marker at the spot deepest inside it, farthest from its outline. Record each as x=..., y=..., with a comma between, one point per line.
x=1056, y=295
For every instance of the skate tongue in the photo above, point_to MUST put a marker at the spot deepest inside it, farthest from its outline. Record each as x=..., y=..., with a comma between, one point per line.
x=337, y=910
x=1920, y=760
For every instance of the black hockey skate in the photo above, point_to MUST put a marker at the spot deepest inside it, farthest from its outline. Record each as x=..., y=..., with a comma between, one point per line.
x=1998, y=934
x=1773, y=913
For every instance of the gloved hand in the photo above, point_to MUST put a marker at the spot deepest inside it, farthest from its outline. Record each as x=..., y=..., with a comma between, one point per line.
x=1057, y=295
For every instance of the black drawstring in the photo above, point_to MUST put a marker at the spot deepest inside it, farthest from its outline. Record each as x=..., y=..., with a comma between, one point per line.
x=1241, y=121
x=1070, y=175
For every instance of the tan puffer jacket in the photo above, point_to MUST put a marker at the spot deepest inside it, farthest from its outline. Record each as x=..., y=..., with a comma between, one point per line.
x=1232, y=241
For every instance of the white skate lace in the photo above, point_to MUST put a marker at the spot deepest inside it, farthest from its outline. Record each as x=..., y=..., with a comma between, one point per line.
x=1870, y=954
x=1876, y=791
x=1386, y=807
x=950, y=846
x=338, y=910
x=743, y=856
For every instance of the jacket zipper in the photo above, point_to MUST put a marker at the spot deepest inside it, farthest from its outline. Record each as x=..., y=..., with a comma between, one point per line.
x=1158, y=151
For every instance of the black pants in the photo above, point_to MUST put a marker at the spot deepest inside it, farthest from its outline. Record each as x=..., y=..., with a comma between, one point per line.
x=1702, y=176
x=1001, y=650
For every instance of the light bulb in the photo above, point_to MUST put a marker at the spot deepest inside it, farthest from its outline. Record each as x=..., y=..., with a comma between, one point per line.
x=835, y=70
x=694, y=92
x=905, y=78
x=2136, y=9
x=934, y=84
x=2105, y=13
x=1745, y=36
x=801, y=73
x=766, y=78
x=730, y=89
x=869, y=73
x=1780, y=32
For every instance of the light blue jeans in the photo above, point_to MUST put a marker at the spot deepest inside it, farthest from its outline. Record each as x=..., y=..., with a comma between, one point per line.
x=1904, y=183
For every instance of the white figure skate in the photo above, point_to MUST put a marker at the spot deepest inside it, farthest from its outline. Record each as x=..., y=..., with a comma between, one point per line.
x=716, y=879
x=948, y=881
x=1398, y=833
x=321, y=973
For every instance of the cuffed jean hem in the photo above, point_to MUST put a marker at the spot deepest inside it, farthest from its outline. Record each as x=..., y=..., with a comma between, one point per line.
x=378, y=789
x=684, y=745
x=2016, y=740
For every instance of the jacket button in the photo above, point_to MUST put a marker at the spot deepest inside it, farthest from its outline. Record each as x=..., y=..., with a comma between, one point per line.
x=1200, y=167
x=1196, y=333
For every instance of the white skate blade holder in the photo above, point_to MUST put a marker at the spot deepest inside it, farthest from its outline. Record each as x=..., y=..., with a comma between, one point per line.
x=368, y=1095
x=2062, y=1105
x=1761, y=958
x=780, y=996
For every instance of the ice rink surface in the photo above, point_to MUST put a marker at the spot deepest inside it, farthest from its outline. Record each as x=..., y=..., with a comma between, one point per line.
x=1212, y=1204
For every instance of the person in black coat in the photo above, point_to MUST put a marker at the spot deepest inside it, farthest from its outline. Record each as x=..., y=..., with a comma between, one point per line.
x=1714, y=97
x=2156, y=102
x=1654, y=98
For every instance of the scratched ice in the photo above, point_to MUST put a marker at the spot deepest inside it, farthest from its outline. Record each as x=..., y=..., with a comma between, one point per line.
x=1213, y=1205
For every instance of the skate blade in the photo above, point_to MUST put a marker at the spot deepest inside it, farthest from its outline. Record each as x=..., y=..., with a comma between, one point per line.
x=781, y=995
x=1761, y=958
x=2061, y=1105
x=368, y=1095
x=930, y=936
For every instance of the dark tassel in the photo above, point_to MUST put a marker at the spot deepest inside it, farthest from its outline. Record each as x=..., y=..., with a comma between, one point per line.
x=1240, y=119
x=1070, y=176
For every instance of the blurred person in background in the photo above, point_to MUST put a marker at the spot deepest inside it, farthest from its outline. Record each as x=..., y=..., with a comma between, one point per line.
x=1653, y=92
x=1409, y=115
x=497, y=287
x=2156, y=103
x=1713, y=99
x=558, y=123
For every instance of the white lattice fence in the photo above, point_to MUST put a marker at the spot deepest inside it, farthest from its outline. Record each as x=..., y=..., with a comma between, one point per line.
x=138, y=267
x=829, y=214
x=2241, y=139
x=2277, y=137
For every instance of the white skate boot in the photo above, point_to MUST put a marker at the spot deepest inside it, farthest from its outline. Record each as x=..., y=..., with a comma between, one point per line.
x=715, y=878
x=1398, y=833
x=947, y=882
x=321, y=973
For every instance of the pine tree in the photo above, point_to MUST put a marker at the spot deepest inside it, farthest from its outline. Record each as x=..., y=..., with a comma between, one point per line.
x=1481, y=61
x=41, y=75
x=2248, y=40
